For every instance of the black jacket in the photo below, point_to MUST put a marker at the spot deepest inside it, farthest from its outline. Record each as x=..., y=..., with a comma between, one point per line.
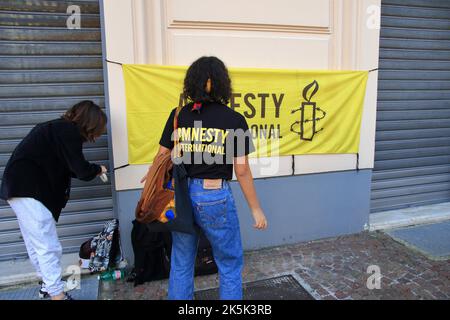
x=43, y=164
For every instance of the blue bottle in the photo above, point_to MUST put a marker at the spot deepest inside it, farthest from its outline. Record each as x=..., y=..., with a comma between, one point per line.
x=169, y=185
x=168, y=215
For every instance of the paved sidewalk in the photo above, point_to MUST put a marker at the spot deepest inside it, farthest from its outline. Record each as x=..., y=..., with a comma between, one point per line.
x=329, y=269
x=88, y=290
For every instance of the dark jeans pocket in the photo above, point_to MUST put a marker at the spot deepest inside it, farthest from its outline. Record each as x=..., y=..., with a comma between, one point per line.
x=212, y=214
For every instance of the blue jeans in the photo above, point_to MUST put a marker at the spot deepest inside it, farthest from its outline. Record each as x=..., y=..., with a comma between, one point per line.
x=215, y=213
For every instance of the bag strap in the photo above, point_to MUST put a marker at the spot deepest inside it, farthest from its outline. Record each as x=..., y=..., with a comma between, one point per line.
x=176, y=148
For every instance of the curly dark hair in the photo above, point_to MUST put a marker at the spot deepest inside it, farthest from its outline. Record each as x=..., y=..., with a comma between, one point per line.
x=198, y=74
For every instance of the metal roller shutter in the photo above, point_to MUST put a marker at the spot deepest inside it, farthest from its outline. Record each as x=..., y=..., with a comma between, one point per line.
x=412, y=153
x=44, y=69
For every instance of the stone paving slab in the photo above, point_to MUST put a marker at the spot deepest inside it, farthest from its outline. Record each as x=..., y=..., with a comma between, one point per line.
x=88, y=291
x=433, y=239
x=334, y=268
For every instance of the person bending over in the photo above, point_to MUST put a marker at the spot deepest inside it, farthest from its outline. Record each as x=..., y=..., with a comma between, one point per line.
x=36, y=184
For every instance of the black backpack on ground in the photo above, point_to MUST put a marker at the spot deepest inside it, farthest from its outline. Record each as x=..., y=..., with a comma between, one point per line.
x=149, y=255
x=204, y=262
x=152, y=255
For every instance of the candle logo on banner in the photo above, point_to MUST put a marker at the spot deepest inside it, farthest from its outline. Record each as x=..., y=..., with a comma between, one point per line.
x=310, y=114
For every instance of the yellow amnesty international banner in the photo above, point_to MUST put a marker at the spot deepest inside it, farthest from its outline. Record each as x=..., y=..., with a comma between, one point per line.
x=289, y=112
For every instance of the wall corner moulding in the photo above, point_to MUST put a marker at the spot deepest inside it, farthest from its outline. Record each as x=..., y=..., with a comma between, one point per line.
x=251, y=15
x=247, y=27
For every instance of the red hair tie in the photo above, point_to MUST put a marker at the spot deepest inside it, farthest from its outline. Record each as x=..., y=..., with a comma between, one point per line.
x=196, y=106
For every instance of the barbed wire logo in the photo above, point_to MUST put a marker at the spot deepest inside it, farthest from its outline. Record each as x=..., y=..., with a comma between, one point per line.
x=310, y=113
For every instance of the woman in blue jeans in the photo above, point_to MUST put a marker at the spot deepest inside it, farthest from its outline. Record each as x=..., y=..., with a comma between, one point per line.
x=214, y=139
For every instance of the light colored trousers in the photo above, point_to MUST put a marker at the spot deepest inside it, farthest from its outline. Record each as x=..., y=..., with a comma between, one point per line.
x=39, y=234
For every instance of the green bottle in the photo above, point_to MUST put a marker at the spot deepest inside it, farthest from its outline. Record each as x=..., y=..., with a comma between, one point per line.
x=110, y=275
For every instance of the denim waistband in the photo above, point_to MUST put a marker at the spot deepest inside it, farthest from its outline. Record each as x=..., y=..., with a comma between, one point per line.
x=199, y=181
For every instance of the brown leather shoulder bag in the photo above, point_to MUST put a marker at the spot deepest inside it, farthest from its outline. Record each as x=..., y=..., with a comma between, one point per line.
x=155, y=197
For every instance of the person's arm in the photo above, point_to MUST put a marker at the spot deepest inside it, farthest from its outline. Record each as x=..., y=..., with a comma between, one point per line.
x=70, y=150
x=245, y=179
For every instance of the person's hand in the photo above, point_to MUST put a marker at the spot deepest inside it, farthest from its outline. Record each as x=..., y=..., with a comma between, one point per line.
x=104, y=170
x=144, y=178
x=260, y=219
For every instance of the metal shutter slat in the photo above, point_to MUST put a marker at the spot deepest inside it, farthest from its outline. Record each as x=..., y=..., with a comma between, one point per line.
x=50, y=48
x=410, y=172
x=47, y=6
x=414, y=64
x=414, y=114
x=414, y=54
x=415, y=23
x=7, y=146
x=422, y=44
x=40, y=90
x=417, y=74
x=53, y=76
x=76, y=207
x=410, y=190
x=412, y=153
x=45, y=104
x=90, y=154
x=412, y=33
x=410, y=163
x=50, y=34
x=418, y=3
x=409, y=200
x=411, y=181
x=49, y=62
x=413, y=124
x=410, y=144
x=424, y=95
x=406, y=10
x=66, y=220
x=42, y=19
x=412, y=105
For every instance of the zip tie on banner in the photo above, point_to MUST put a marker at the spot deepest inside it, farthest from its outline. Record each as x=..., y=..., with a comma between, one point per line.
x=357, y=161
x=113, y=62
x=125, y=165
x=293, y=165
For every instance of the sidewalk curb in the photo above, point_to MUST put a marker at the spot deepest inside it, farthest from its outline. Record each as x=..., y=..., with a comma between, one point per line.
x=409, y=217
x=21, y=272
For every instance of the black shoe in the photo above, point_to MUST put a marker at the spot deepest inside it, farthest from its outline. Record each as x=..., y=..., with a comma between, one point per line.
x=68, y=297
x=43, y=294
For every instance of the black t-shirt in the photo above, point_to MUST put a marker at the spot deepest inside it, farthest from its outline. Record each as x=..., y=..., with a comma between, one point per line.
x=209, y=139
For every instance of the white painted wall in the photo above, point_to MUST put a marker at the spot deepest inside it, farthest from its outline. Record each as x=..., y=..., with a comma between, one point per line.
x=291, y=34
